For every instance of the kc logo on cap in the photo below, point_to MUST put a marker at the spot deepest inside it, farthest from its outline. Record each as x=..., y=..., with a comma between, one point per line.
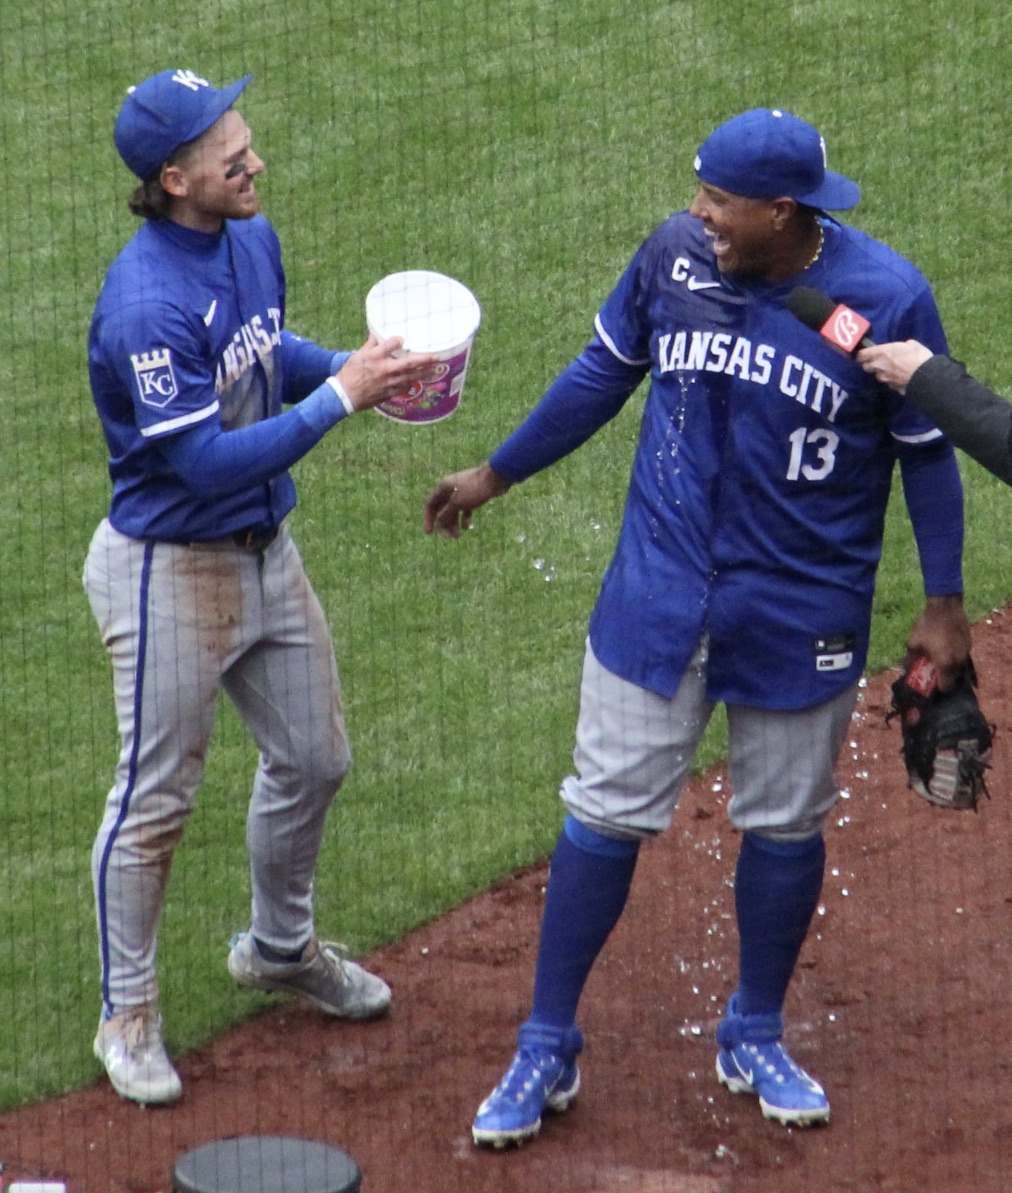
x=189, y=78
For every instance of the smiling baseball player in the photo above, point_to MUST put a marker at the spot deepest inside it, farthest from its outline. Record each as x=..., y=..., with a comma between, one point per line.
x=744, y=573
x=194, y=578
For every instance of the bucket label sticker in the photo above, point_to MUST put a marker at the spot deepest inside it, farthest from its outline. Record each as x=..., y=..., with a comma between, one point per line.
x=435, y=398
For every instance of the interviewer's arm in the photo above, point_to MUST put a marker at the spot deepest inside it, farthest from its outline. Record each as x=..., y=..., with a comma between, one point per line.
x=975, y=418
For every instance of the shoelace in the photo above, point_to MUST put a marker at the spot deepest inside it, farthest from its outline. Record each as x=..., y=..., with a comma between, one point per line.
x=522, y=1060
x=135, y=1032
x=781, y=1055
x=335, y=954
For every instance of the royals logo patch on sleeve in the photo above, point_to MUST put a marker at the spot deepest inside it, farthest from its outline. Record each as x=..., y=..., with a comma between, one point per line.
x=156, y=382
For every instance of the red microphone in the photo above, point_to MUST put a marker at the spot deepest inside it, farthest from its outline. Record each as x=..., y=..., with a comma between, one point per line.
x=839, y=325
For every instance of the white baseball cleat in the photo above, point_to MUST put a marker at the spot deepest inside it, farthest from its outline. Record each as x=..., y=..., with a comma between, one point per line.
x=130, y=1046
x=336, y=985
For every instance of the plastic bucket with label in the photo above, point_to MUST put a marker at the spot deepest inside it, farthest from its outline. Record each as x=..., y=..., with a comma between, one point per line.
x=432, y=313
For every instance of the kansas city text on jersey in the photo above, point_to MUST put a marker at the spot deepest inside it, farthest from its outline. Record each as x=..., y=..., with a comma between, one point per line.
x=736, y=356
x=252, y=342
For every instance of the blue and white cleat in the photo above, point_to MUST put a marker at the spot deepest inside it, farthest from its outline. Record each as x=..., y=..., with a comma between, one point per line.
x=753, y=1061
x=542, y=1075
x=786, y=1092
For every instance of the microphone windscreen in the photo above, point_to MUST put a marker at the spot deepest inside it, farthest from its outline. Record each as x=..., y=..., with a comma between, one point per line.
x=811, y=306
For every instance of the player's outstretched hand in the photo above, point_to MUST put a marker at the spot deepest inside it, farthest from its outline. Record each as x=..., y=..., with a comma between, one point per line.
x=894, y=364
x=451, y=503
x=375, y=372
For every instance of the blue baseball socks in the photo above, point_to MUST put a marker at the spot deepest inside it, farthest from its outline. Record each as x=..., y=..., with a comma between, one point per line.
x=588, y=885
x=777, y=888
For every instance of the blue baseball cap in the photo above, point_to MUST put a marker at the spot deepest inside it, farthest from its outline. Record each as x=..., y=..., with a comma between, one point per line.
x=166, y=111
x=770, y=154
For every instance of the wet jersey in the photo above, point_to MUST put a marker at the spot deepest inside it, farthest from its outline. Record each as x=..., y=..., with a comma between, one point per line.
x=759, y=486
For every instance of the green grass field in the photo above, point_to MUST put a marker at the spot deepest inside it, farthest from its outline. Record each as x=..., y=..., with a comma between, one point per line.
x=525, y=147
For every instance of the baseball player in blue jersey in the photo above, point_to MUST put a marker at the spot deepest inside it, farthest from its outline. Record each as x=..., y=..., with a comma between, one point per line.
x=743, y=574
x=194, y=578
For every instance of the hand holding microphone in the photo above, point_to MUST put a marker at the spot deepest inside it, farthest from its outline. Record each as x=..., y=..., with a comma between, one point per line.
x=894, y=364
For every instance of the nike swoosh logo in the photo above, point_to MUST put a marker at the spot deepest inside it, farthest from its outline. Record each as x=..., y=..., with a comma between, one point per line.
x=210, y=313
x=694, y=284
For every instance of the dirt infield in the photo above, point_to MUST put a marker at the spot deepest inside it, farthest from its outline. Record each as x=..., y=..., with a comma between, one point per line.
x=901, y=1006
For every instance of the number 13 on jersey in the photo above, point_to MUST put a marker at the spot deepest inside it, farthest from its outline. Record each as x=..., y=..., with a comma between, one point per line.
x=813, y=453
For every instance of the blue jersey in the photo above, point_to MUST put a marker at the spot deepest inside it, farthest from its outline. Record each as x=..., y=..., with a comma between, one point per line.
x=189, y=328
x=759, y=487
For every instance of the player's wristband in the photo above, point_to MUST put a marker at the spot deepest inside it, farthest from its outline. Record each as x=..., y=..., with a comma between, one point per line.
x=342, y=393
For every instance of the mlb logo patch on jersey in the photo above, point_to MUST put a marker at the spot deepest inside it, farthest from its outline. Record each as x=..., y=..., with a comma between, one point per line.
x=834, y=653
x=156, y=382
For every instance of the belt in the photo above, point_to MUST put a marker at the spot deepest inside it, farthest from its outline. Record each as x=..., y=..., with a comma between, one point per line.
x=255, y=538
x=251, y=538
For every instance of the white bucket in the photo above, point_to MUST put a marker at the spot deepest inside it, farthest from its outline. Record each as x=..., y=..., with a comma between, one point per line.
x=432, y=313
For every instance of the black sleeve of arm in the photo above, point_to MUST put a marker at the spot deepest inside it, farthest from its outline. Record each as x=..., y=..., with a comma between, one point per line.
x=974, y=418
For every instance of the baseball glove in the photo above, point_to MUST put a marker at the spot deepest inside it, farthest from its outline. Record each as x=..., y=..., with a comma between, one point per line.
x=946, y=738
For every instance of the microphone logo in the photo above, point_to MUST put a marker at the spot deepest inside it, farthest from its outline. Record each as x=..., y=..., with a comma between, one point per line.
x=845, y=328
